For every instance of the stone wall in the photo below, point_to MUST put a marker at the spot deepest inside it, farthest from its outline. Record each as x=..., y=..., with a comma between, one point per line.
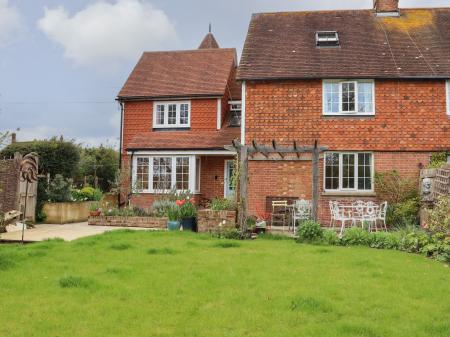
x=66, y=212
x=122, y=221
x=209, y=220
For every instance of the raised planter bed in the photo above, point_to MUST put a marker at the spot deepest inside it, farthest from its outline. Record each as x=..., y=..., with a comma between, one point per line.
x=66, y=212
x=209, y=220
x=130, y=221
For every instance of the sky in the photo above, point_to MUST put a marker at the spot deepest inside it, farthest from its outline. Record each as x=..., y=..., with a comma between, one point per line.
x=62, y=63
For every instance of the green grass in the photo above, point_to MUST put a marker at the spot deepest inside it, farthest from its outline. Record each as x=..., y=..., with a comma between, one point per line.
x=180, y=284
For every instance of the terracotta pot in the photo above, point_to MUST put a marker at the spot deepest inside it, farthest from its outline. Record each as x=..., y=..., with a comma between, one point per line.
x=95, y=213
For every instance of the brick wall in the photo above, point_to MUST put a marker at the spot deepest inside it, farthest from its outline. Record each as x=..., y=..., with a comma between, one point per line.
x=293, y=179
x=410, y=116
x=138, y=117
x=9, y=184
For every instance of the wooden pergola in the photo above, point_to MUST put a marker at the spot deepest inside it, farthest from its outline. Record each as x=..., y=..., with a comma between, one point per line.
x=274, y=152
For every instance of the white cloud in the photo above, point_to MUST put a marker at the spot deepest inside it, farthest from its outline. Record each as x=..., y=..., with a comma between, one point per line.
x=10, y=22
x=105, y=34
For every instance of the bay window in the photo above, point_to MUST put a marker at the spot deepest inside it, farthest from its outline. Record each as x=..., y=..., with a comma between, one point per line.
x=159, y=174
x=348, y=97
x=171, y=114
x=348, y=171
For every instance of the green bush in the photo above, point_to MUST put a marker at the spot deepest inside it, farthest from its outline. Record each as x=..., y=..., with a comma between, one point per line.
x=438, y=159
x=188, y=210
x=223, y=204
x=413, y=239
x=439, y=218
x=355, y=237
x=330, y=237
x=59, y=189
x=161, y=206
x=383, y=240
x=87, y=194
x=310, y=231
x=405, y=213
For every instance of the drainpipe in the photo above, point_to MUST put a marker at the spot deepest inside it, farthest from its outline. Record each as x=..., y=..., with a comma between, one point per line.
x=120, y=144
x=131, y=176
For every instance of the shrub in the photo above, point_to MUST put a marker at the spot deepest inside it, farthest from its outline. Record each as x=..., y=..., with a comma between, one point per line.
x=310, y=231
x=187, y=210
x=355, y=237
x=438, y=159
x=402, y=196
x=439, y=218
x=59, y=189
x=330, y=237
x=161, y=206
x=173, y=213
x=413, y=239
x=87, y=194
x=223, y=204
x=405, y=213
x=383, y=240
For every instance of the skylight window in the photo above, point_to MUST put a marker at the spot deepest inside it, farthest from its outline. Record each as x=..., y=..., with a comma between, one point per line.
x=327, y=39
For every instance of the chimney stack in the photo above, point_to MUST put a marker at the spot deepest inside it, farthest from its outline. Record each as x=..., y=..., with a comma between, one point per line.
x=13, y=138
x=386, y=7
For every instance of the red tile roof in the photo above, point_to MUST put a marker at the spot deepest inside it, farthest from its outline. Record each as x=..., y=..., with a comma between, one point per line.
x=283, y=46
x=209, y=42
x=184, y=140
x=202, y=72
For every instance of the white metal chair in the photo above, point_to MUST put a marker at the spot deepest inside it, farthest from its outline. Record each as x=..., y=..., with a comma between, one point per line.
x=382, y=214
x=340, y=214
x=370, y=215
x=302, y=212
x=358, y=210
x=279, y=213
x=332, y=219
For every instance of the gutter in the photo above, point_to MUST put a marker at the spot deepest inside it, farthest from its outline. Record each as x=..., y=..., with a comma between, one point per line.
x=362, y=76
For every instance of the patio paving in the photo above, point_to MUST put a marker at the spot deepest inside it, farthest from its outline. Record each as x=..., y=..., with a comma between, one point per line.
x=66, y=232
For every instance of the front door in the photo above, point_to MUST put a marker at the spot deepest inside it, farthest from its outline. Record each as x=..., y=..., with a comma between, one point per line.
x=229, y=185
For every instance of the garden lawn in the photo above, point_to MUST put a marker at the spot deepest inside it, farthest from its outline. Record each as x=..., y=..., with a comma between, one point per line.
x=141, y=284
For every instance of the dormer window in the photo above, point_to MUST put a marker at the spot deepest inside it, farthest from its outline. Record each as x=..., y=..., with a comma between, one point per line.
x=327, y=39
x=235, y=113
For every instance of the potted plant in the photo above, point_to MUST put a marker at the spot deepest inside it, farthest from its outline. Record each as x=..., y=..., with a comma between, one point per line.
x=188, y=213
x=94, y=209
x=173, y=213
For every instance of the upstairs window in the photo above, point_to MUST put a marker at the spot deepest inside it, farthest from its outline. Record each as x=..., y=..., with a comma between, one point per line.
x=349, y=97
x=327, y=39
x=235, y=113
x=172, y=115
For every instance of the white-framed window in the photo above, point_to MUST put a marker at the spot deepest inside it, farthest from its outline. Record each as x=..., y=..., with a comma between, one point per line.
x=348, y=97
x=160, y=174
x=448, y=97
x=348, y=171
x=172, y=114
x=235, y=113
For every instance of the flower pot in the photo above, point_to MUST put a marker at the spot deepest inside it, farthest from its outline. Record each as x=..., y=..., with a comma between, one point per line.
x=188, y=224
x=173, y=225
x=95, y=213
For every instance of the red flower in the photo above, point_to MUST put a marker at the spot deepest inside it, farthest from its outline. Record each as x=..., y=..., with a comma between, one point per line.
x=180, y=202
x=192, y=200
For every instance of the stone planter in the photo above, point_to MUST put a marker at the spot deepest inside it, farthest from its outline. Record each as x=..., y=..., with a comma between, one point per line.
x=209, y=220
x=128, y=221
x=66, y=212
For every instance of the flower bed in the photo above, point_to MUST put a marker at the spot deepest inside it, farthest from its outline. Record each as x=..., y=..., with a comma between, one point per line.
x=209, y=220
x=128, y=221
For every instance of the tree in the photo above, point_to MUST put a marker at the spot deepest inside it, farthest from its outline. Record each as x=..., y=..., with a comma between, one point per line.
x=98, y=167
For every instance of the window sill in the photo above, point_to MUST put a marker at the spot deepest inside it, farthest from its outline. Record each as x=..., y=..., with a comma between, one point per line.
x=357, y=116
x=349, y=194
x=172, y=129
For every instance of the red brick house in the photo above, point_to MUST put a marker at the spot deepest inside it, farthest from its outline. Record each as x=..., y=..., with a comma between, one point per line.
x=179, y=110
x=371, y=85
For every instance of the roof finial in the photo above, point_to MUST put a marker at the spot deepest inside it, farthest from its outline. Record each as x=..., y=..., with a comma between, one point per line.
x=210, y=27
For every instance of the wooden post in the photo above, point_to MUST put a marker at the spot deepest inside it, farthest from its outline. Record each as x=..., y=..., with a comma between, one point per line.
x=315, y=180
x=243, y=182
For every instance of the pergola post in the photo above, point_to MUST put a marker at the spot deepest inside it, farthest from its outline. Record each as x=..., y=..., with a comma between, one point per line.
x=315, y=180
